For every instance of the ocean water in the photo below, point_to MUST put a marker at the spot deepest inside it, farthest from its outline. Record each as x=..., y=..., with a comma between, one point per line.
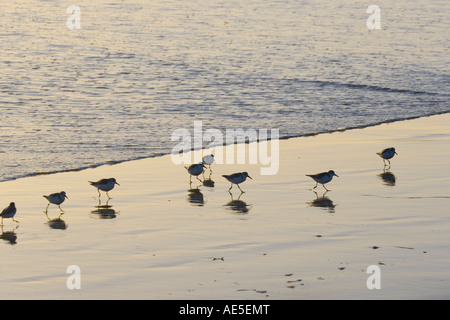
x=115, y=89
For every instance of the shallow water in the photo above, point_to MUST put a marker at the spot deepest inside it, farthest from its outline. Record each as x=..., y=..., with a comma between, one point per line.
x=117, y=88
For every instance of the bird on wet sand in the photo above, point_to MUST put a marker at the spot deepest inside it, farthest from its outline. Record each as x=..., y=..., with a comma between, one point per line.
x=104, y=185
x=9, y=212
x=195, y=170
x=237, y=178
x=387, y=154
x=56, y=198
x=322, y=178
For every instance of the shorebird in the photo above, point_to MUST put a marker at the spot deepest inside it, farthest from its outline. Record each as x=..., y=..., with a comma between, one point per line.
x=195, y=170
x=56, y=198
x=237, y=178
x=209, y=160
x=323, y=178
x=387, y=154
x=9, y=212
x=104, y=185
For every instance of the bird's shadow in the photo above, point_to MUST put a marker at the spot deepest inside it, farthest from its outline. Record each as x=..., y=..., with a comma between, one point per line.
x=323, y=202
x=56, y=223
x=237, y=206
x=388, y=178
x=208, y=182
x=104, y=211
x=9, y=236
x=196, y=197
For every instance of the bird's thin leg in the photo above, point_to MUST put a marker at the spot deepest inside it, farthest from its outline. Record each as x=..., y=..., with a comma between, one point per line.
x=15, y=220
x=99, y=195
x=240, y=189
x=199, y=179
x=2, y=222
x=46, y=209
x=230, y=187
x=316, y=185
x=108, y=195
x=325, y=187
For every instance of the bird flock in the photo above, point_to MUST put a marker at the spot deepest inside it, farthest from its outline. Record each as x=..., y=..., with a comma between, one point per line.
x=197, y=169
x=59, y=197
x=238, y=178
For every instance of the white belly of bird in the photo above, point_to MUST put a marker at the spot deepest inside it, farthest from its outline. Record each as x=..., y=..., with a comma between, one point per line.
x=57, y=199
x=106, y=187
x=238, y=179
x=387, y=154
x=196, y=170
x=324, y=179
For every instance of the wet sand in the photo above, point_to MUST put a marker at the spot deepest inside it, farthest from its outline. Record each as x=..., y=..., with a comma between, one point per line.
x=162, y=238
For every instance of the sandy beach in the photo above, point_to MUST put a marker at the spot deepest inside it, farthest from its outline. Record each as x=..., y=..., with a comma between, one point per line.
x=162, y=238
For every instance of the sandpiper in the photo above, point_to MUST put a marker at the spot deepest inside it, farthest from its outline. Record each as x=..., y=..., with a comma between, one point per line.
x=9, y=212
x=323, y=178
x=104, y=185
x=237, y=178
x=387, y=154
x=56, y=198
x=209, y=160
x=195, y=170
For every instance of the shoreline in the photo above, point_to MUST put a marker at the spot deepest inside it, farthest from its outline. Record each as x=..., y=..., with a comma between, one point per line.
x=115, y=162
x=161, y=238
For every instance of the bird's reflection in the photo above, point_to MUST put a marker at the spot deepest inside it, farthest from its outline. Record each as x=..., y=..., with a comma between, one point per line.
x=237, y=205
x=323, y=202
x=195, y=197
x=388, y=178
x=57, y=223
x=9, y=236
x=104, y=212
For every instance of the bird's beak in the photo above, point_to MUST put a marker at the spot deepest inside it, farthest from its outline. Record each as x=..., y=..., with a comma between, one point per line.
x=117, y=183
x=250, y=177
x=396, y=153
x=66, y=197
x=336, y=175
